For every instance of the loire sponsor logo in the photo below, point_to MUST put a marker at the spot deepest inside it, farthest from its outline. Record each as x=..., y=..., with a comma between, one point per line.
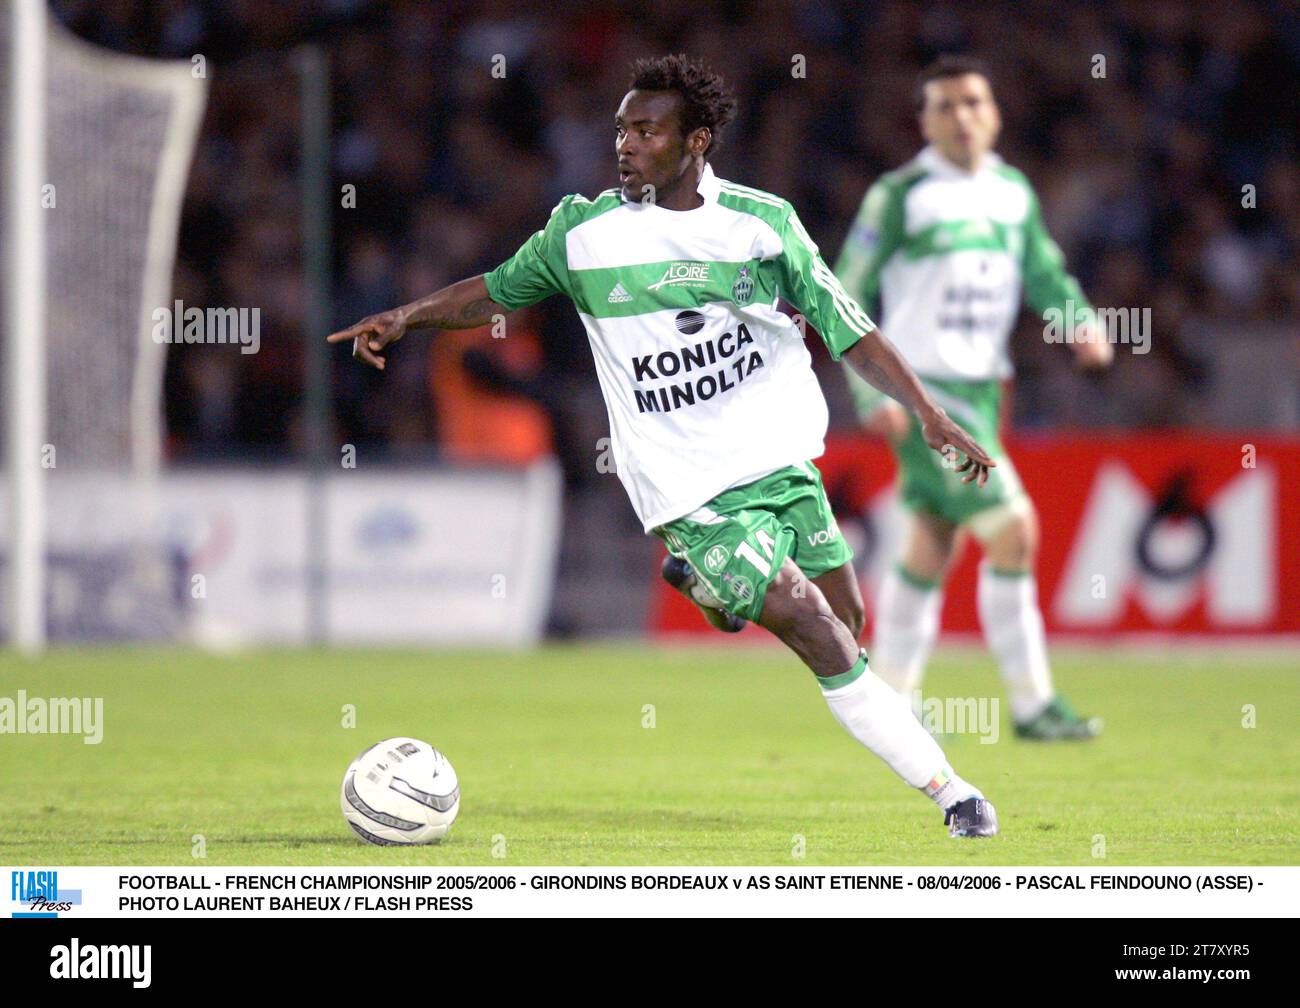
x=23, y=715
x=688, y=274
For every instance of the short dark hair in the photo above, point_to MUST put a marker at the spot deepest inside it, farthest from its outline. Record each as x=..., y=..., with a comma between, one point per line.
x=946, y=66
x=705, y=99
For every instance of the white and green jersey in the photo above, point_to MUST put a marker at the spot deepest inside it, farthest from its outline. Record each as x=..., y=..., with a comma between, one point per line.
x=707, y=384
x=949, y=254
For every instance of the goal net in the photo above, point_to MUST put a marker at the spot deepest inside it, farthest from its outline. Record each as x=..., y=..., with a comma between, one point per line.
x=113, y=136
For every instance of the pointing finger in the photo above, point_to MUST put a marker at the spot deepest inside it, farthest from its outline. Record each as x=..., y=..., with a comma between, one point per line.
x=351, y=332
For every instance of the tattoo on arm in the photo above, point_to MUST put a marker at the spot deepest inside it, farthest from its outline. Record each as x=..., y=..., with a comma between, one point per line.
x=880, y=365
x=471, y=315
x=478, y=309
x=875, y=375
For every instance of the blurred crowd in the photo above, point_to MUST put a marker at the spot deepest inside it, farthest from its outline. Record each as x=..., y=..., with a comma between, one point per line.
x=1170, y=178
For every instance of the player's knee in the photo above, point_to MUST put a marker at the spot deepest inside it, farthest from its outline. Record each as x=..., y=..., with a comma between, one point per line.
x=929, y=549
x=1015, y=544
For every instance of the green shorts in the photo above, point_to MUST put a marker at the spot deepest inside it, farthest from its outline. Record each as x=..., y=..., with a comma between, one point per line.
x=928, y=484
x=737, y=542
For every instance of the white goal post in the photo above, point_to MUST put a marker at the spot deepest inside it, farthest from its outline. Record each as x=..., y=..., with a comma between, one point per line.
x=96, y=159
x=25, y=323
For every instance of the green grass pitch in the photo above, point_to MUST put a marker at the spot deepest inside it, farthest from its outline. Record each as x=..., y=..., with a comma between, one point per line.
x=557, y=766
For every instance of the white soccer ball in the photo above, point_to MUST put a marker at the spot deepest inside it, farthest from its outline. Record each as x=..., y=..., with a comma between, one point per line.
x=400, y=791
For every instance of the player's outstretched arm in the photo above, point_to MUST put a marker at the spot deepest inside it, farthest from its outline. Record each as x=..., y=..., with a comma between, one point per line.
x=463, y=305
x=880, y=364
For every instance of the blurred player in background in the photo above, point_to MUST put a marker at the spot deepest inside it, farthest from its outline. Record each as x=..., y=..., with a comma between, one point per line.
x=715, y=413
x=947, y=243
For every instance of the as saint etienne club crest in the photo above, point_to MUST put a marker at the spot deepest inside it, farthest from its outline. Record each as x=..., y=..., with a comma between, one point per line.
x=743, y=289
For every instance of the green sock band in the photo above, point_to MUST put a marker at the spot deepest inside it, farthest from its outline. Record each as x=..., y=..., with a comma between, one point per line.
x=844, y=678
x=999, y=572
x=915, y=580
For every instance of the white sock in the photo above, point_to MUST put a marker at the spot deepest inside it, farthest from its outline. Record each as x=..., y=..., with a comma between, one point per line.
x=1013, y=628
x=882, y=721
x=906, y=625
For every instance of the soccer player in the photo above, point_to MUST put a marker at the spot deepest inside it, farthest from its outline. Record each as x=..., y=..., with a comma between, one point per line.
x=714, y=410
x=947, y=243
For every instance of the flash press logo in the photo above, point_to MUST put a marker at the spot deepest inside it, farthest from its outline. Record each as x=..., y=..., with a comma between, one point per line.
x=38, y=894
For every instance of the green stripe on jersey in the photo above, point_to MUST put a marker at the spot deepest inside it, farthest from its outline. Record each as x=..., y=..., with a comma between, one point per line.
x=791, y=267
x=971, y=233
x=640, y=288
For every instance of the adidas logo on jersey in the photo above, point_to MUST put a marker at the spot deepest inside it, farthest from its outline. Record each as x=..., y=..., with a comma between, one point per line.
x=619, y=295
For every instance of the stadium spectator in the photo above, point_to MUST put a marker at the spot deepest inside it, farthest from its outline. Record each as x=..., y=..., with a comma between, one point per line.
x=1141, y=162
